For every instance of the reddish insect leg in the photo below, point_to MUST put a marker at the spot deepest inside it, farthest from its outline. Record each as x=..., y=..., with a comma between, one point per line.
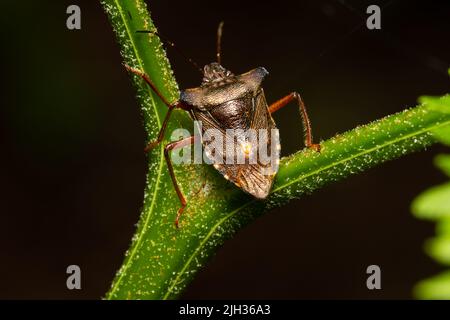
x=169, y=147
x=306, y=123
x=177, y=104
x=162, y=131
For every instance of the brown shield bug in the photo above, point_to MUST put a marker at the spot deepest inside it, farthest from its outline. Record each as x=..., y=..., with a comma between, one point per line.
x=226, y=101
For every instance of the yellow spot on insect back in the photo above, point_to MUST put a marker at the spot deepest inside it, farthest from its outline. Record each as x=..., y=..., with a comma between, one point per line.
x=246, y=148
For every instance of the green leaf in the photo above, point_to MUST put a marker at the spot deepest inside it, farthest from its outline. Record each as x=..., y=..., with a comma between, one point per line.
x=435, y=288
x=443, y=227
x=439, y=248
x=440, y=104
x=433, y=203
x=162, y=260
x=443, y=135
x=442, y=161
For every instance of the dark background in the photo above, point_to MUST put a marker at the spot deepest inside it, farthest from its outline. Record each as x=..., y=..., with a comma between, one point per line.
x=73, y=170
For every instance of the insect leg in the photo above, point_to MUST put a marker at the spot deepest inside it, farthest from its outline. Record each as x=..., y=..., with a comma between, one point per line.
x=305, y=119
x=169, y=147
x=160, y=137
x=177, y=104
x=146, y=78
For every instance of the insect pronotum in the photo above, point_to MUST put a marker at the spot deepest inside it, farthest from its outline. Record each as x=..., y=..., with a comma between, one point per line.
x=227, y=101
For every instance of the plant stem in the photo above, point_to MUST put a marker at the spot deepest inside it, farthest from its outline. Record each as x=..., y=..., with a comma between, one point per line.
x=162, y=259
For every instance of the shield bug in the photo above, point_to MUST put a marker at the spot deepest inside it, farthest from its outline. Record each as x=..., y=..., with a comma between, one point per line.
x=227, y=101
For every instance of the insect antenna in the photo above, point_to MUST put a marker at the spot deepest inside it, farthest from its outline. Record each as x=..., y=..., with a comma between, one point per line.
x=219, y=43
x=170, y=43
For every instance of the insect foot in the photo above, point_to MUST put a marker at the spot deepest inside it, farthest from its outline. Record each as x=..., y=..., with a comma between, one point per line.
x=316, y=146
